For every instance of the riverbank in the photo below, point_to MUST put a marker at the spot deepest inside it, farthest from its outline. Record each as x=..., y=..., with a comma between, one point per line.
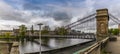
x=2, y=37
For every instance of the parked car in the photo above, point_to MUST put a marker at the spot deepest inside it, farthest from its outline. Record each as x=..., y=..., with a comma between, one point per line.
x=113, y=38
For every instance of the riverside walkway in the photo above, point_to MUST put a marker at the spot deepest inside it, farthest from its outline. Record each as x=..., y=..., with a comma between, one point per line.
x=113, y=47
x=5, y=47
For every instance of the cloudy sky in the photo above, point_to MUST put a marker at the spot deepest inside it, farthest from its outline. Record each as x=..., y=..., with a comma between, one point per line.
x=50, y=12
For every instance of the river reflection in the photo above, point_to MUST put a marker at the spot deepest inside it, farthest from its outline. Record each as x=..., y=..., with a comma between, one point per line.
x=48, y=44
x=59, y=43
x=29, y=47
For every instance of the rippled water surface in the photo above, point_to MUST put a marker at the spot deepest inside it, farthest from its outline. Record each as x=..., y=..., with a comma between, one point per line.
x=48, y=44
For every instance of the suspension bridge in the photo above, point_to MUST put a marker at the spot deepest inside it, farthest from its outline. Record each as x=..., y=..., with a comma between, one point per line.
x=97, y=23
x=94, y=26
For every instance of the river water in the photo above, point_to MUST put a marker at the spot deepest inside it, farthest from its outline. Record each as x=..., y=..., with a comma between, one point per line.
x=48, y=44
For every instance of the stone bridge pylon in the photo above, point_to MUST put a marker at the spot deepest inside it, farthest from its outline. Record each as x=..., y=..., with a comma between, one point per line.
x=102, y=18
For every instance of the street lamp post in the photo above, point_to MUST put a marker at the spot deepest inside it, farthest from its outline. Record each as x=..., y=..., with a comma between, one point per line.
x=40, y=24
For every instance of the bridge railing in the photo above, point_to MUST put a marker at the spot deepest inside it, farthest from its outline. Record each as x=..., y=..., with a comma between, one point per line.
x=96, y=48
x=81, y=36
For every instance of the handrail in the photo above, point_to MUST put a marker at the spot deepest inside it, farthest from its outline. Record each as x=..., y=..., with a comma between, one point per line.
x=95, y=45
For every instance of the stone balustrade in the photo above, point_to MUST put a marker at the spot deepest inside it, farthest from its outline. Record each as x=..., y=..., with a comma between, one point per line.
x=96, y=48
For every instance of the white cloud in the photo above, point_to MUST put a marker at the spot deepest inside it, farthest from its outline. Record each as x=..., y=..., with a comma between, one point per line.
x=12, y=16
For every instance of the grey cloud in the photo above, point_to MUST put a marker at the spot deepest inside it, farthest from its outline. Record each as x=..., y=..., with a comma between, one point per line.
x=9, y=13
x=49, y=11
x=61, y=16
x=13, y=17
x=30, y=6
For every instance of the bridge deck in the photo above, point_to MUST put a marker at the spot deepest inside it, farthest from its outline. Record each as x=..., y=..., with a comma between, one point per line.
x=113, y=47
x=82, y=36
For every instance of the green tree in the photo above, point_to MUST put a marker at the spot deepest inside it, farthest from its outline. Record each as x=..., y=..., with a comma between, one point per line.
x=61, y=31
x=22, y=30
x=110, y=31
x=7, y=35
x=116, y=31
x=45, y=30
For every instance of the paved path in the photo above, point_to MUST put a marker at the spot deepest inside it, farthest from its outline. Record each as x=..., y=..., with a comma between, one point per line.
x=113, y=46
x=4, y=47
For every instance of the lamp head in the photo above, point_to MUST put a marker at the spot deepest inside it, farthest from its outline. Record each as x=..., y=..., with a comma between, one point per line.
x=40, y=24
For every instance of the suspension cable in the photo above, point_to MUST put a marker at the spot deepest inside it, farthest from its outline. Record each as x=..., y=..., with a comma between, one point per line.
x=81, y=22
x=81, y=19
x=114, y=18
